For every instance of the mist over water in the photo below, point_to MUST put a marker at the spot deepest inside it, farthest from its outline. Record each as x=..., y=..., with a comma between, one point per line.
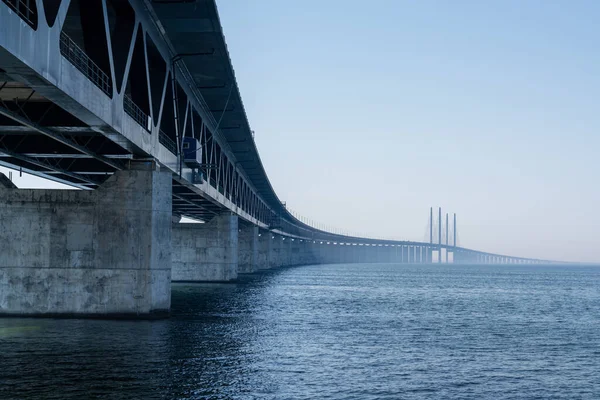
x=359, y=331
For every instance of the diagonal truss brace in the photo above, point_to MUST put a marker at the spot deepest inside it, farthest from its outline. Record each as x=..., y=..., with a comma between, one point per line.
x=58, y=137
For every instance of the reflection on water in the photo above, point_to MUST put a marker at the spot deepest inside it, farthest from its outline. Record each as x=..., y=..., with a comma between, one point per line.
x=330, y=332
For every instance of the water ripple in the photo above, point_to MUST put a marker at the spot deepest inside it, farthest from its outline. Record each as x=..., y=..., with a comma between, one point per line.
x=330, y=332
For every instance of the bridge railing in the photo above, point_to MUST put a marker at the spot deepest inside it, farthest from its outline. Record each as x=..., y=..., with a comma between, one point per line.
x=25, y=9
x=135, y=112
x=166, y=141
x=76, y=56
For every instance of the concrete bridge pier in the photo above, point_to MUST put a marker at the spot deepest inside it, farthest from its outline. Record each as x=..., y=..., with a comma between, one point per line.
x=311, y=252
x=345, y=255
x=463, y=257
x=389, y=253
x=333, y=253
x=277, y=253
x=265, y=250
x=350, y=251
x=105, y=252
x=378, y=253
x=286, y=252
x=300, y=252
x=304, y=254
x=336, y=252
x=206, y=252
x=293, y=251
x=247, y=249
x=360, y=253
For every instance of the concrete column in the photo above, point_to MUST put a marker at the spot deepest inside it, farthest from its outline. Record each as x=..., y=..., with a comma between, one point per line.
x=286, y=251
x=283, y=252
x=105, y=252
x=348, y=254
x=277, y=252
x=372, y=253
x=206, y=252
x=265, y=250
x=340, y=253
x=296, y=252
x=247, y=249
x=329, y=252
x=360, y=253
x=343, y=253
x=316, y=251
x=303, y=254
x=355, y=253
x=313, y=254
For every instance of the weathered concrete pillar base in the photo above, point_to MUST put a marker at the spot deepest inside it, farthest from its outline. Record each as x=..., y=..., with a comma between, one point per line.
x=276, y=254
x=247, y=249
x=265, y=249
x=101, y=253
x=206, y=252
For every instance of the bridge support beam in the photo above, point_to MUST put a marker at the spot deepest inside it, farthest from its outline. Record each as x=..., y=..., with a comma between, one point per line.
x=206, y=252
x=247, y=249
x=105, y=252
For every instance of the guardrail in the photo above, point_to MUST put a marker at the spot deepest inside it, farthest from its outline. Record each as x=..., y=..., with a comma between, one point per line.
x=135, y=112
x=24, y=9
x=166, y=141
x=76, y=56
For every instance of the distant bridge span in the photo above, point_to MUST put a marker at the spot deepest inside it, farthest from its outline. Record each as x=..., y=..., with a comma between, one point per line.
x=136, y=103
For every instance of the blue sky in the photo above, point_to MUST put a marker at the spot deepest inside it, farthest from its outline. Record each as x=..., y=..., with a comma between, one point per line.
x=368, y=113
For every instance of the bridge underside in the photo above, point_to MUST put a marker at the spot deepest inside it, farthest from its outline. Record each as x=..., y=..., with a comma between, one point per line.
x=39, y=137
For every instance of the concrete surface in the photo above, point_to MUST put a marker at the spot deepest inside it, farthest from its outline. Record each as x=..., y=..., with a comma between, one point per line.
x=99, y=253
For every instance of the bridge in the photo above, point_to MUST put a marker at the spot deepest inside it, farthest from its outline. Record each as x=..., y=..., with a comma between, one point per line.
x=135, y=104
